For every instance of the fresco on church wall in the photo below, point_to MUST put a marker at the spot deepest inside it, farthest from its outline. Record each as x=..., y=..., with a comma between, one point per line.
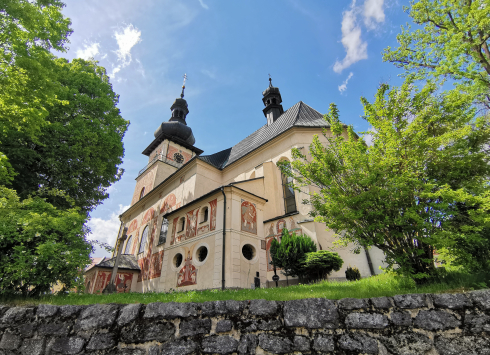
x=213, y=205
x=281, y=224
x=135, y=242
x=249, y=217
x=123, y=281
x=274, y=230
x=148, y=216
x=132, y=226
x=187, y=276
x=174, y=229
x=168, y=203
x=156, y=265
x=191, y=223
x=173, y=150
x=90, y=279
x=203, y=229
x=146, y=182
x=270, y=230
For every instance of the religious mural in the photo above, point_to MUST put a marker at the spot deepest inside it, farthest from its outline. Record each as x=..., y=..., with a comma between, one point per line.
x=174, y=229
x=148, y=216
x=187, y=276
x=249, y=217
x=132, y=226
x=89, y=281
x=274, y=231
x=168, y=203
x=151, y=264
x=214, y=205
x=191, y=220
x=156, y=265
x=123, y=281
x=145, y=182
x=135, y=242
x=203, y=229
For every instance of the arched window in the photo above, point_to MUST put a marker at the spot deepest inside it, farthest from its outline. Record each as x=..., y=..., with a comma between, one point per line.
x=288, y=194
x=204, y=214
x=181, y=224
x=142, y=193
x=128, y=245
x=163, y=232
x=143, y=240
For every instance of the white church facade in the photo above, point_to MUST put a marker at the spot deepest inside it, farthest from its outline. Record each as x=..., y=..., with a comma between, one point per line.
x=206, y=221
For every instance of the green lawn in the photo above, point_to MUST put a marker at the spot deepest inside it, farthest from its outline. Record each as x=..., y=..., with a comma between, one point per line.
x=377, y=286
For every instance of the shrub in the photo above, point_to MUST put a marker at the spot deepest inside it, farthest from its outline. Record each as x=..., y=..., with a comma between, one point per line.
x=352, y=274
x=319, y=264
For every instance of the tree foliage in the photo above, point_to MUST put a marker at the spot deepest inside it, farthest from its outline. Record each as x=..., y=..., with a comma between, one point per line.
x=290, y=252
x=39, y=245
x=79, y=151
x=450, y=41
x=398, y=194
x=319, y=264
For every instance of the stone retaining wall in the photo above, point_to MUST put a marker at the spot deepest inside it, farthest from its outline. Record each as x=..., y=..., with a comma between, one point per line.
x=442, y=324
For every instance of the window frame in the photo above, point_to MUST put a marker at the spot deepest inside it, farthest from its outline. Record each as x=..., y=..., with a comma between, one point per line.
x=164, y=223
x=128, y=245
x=144, y=239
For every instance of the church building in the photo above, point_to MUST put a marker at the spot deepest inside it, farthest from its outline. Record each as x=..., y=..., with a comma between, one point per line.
x=201, y=221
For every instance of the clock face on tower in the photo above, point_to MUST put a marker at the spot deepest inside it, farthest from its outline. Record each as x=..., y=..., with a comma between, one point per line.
x=179, y=158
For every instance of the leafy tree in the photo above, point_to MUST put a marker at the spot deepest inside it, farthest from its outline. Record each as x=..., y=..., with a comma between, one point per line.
x=398, y=193
x=290, y=252
x=39, y=245
x=451, y=41
x=321, y=263
x=80, y=150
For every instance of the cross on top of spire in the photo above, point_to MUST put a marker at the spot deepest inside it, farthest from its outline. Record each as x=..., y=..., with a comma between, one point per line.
x=270, y=80
x=183, y=86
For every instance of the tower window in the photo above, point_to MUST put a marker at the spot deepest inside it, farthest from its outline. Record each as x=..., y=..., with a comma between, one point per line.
x=142, y=193
x=163, y=232
x=143, y=240
x=288, y=194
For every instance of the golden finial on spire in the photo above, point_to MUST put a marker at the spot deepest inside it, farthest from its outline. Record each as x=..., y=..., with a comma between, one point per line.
x=183, y=86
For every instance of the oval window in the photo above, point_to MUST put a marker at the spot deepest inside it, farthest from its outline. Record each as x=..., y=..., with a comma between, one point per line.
x=178, y=259
x=202, y=253
x=248, y=252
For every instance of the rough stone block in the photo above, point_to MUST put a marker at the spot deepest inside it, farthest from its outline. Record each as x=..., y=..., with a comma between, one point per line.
x=451, y=301
x=154, y=350
x=366, y=321
x=359, y=343
x=129, y=313
x=353, y=303
x=27, y=330
x=247, y=344
x=179, y=347
x=170, y=310
x=230, y=307
x=195, y=326
x=140, y=333
x=69, y=346
x=481, y=299
x=224, y=326
x=382, y=302
x=32, y=347
x=324, y=343
x=98, y=316
x=3, y=309
x=70, y=311
x=17, y=315
x=407, y=343
x=263, y=307
x=467, y=345
x=219, y=344
x=275, y=344
x=59, y=329
x=311, y=313
x=10, y=341
x=301, y=343
x=477, y=323
x=436, y=320
x=46, y=310
x=272, y=324
x=401, y=319
x=410, y=301
x=130, y=352
x=101, y=341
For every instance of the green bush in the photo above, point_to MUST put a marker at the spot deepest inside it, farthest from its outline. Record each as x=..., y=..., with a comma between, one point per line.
x=319, y=264
x=352, y=274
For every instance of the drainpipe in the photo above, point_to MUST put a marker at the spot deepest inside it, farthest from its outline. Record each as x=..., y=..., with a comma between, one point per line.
x=224, y=236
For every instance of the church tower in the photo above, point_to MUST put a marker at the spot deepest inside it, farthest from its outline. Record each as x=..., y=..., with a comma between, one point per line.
x=172, y=147
x=272, y=101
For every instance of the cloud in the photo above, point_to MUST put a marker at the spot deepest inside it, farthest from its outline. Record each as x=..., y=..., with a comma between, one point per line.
x=203, y=5
x=355, y=48
x=343, y=87
x=369, y=135
x=89, y=51
x=106, y=230
x=126, y=40
x=210, y=74
x=373, y=13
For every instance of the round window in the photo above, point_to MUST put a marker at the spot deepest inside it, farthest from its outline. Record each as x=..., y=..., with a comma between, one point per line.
x=202, y=253
x=248, y=252
x=179, y=158
x=178, y=259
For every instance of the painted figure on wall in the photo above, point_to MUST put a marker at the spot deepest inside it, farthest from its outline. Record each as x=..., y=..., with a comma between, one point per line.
x=191, y=220
x=213, y=204
x=203, y=229
x=281, y=224
x=188, y=274
x=148, y=216
x=249, y=217
x=271, y=230
x=174, y=229
x=293, y=224
x=168, y=203
x=156, y=265
x=123, y=281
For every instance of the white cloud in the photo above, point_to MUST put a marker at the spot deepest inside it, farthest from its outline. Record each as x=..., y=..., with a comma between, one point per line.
x=343, y=87
x=106, y=230
x=126, y=40
x=355, y=48
x=368, y=136
x=210, y=74
x=89, y=51
x=373, y=13
x=203, y=5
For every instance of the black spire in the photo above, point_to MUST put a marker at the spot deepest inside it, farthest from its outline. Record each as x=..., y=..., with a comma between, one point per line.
x=272, y=101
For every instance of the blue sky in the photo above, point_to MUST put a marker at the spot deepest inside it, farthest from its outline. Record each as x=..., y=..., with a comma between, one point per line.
x=317, y=52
